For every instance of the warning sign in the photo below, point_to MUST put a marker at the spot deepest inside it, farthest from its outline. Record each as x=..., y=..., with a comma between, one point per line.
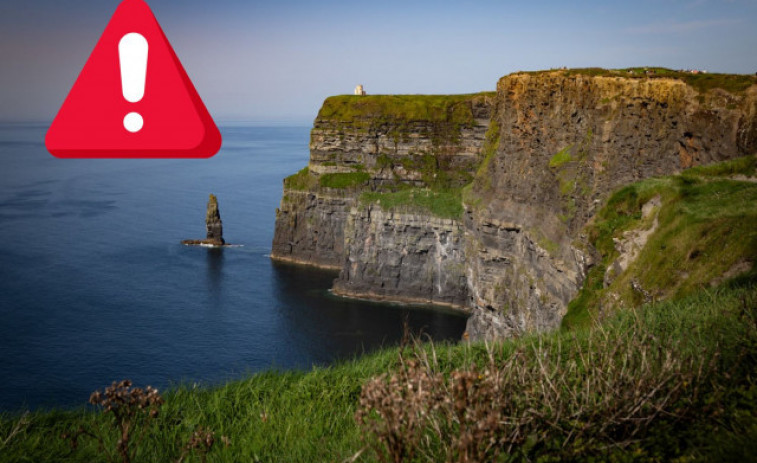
x=133, y=98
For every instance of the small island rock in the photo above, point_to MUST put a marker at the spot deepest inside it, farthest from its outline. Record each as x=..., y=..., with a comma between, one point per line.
x=213, y=225
x=213, y=222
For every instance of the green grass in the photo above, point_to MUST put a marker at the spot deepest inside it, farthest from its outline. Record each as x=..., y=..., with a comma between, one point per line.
x=544, y=242
x=707, y=225
x=344, y=180
x=301, y=181
x=305, y=181
x=732, y=83
x=453, y=109
x=271, y=416
x=309, y=416
x=483, y=176
x=444, y=204
x=562, y=157
x=746, y=166
x=566, y=394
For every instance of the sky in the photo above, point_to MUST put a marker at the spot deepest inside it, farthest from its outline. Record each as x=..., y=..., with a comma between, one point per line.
x=276, y=61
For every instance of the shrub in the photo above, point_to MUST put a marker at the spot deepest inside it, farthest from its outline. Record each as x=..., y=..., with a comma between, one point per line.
x=624, y=389
x=134, y=412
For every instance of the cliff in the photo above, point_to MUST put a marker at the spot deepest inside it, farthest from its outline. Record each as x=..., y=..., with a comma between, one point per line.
x=483, y=201
x=413, y=153
x=564, y=142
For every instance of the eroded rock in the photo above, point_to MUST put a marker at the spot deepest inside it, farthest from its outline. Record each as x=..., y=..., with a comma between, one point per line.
x=213, y=225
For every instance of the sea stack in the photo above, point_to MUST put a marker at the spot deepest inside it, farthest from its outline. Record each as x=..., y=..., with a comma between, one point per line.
x=213, y=222
x=213, y=225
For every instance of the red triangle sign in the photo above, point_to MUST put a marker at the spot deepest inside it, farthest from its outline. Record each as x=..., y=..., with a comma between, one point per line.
x=133, y=98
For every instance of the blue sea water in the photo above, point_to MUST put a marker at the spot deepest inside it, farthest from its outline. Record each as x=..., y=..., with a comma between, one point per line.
x=95, y=285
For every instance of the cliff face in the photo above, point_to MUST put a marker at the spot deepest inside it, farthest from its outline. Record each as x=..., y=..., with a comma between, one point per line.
x=538, y=159
x=564, y=143
x=414, y=140
x=310, y=227
x=403, y=256
x=383, y=145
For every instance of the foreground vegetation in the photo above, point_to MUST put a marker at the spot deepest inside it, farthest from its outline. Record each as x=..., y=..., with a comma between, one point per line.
x=668, y=381
x=704, y=227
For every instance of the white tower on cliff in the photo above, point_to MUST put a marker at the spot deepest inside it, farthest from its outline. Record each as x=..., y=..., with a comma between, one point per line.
x=359, y=90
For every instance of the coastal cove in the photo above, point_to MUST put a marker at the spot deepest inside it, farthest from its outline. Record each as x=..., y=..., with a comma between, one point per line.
x=95, y=285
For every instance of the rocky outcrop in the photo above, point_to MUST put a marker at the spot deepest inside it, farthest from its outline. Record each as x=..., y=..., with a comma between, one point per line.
x=213, y=222
x=514, y=284
x=385, y=144
x=539, y=158
x=632, y=242
x=384, y=136
x=213, y=225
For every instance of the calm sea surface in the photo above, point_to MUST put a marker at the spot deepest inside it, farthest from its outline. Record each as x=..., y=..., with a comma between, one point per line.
x=95, y=287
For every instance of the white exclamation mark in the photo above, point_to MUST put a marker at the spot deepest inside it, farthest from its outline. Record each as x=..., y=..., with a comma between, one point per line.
x=132, y=54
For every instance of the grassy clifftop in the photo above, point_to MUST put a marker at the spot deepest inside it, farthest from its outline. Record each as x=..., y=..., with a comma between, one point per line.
x=451, y=109
x=702, y=82
x=413, y=152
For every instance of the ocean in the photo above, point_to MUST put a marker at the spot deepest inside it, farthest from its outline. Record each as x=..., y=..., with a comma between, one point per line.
x=96, y=287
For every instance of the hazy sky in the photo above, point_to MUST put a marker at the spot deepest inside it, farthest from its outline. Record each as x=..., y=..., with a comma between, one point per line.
x=277, y=60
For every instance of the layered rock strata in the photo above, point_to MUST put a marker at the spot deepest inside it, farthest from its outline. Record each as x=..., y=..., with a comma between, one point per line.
x=539, y=158
x=564, y=143
x=385, y=144
x=403, y=256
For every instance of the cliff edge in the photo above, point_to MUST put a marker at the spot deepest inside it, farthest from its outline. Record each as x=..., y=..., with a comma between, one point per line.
x=484, y=202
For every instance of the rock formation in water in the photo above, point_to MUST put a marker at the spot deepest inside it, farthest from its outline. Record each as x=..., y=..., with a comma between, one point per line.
x=480, y=201
x=213, y=222
x=213, y=225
